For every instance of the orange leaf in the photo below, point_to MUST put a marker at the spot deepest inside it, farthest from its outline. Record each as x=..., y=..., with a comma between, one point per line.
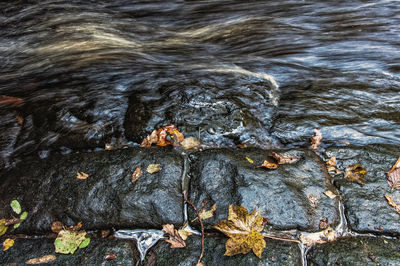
x=284, y=158
x=393, y=176
x=356, y=173
x=268, y=165
x=82, y=175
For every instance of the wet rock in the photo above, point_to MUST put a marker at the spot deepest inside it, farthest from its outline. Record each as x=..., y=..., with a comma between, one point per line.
x=291, y=197
x=228, y=108
x=356, y=251
x=50, y=191
x=94, y=254
x=275, y=253
x=365, y=206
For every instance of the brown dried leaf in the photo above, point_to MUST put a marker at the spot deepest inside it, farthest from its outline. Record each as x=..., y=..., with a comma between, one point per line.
x=56, y=226
x=169, y=135
x=321, y=237
x=153, y=168
x=330, y=165
x=110, y=256
x=152, y=138
x=268, y=165
x=243, y=231
x=175, y=239
x=208, y=214
x=356, y=173
x=43, y=259
x=284, y=158
x=393, y=176
x=82, y=175
x=316, y=139
x=190, y=143
x=136, y=174
x=392, y=203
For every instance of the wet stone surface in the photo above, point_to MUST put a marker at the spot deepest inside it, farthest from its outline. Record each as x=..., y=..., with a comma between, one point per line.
x=94, y=254
x=356, y=251
x=275, y=253
x=365, y=206
x=291, y=197
x=50, y=191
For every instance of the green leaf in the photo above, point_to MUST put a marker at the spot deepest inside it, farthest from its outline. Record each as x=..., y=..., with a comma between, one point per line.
x=23, y=216
x=69, y=241
x=85, y=243
x=16, y=206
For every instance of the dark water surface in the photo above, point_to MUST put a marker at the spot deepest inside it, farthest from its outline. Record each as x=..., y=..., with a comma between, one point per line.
x=262, y=73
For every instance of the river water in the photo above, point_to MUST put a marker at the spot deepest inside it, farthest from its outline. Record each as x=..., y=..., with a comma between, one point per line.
x=260, y=73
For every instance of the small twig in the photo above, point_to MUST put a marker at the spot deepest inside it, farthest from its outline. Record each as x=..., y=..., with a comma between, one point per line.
x=202, y=229
x=281, y=239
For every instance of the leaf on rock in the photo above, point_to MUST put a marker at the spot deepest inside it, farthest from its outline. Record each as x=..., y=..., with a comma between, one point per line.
x=68, y=241
x=392, y=203
x=43, y=259
x=185, y=231
x=110, y=256
x=284, y=158
x=316, y=139
x=167, y=135
x=8, y=243
x=243, y=230
x=3, y=227
x=321, y=237
x=190, y=143
x=85, y=243
x=22, y=217
x=136, y=174
x=82, y=175
x=356, y=173
x=153, y=168
x=208, y=214
x=16, y=206
x=393, y=176
x=268, y=165
x=330, y=194
x=331, y=165
x=174, y=239
x=249, y=159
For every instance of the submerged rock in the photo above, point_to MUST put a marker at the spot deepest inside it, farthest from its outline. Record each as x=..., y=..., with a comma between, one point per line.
x=291, y=197
x=365, y=205
x=49, y=190
x=356, y=251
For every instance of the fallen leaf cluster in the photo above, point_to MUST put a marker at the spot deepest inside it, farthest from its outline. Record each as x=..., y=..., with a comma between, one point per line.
x=69, y=239
x=243, y=230
x=16, y=222
x=167, y=135
x=356, y=173
x=174, y=238
x=280, y=159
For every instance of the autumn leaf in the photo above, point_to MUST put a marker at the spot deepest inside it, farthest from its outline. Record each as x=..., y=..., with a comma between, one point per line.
x=190, y=143
x=268, y=165
x=43, y=259
x=316, y=139
x=153, y=168
x=393, y=176
x=243, y=230
x=330, y=194
x=284, y=158
x=110, y=256
x=185, y=231
x=152, y=138
x=82, y=175
x=69, y=240
x=3, y=227
x=56, y=226
x=331, y=165
x=204, y=215
x=8, y=243
x=392, y=203
x=167, y=135
x=249, y=159
x=356, y=173
x=136, y=174
x=321, y=237
x=174, y=239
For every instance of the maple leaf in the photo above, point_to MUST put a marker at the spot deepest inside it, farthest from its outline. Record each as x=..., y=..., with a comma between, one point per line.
x=356, y=173
x=284, y=158
x=393, y=176
x=175, y=239
x=316, y=139
x=243, y=230
x=268, y=165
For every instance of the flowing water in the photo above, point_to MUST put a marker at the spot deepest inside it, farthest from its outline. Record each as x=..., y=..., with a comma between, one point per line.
x=260, y=73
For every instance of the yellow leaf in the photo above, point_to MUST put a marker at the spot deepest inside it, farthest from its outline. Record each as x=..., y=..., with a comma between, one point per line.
x=243, y=229
x=153, y=168
x=190, y=142
x=356, y=173
x=249, y=159
x=8, y=243
x=208, y=214
x=330, y=194
x=3, y=227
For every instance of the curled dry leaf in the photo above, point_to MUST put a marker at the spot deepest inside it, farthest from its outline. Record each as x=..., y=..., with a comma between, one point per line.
x=175, y=239
x=268, y=165
x=331, y=165
x=136, y=174
x=43, y=259
x=356, y=173
x=321, y=237
x=167, y=135
x=56, y=226
x=190, y=143
x=316, y=139
x=330, y=194
x=243, y=230
x=393, y=176
x=82, y=175
x=392, y=203
x=153, y=168
x=152, y=138
x=8, y=243
x=284, y=158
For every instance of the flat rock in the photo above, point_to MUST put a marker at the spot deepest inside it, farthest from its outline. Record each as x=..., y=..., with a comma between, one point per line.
x=356, y=251
x=291, y=197
x=275, y=253
x=50, y=191
x=94, y=254
x=365, y=205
